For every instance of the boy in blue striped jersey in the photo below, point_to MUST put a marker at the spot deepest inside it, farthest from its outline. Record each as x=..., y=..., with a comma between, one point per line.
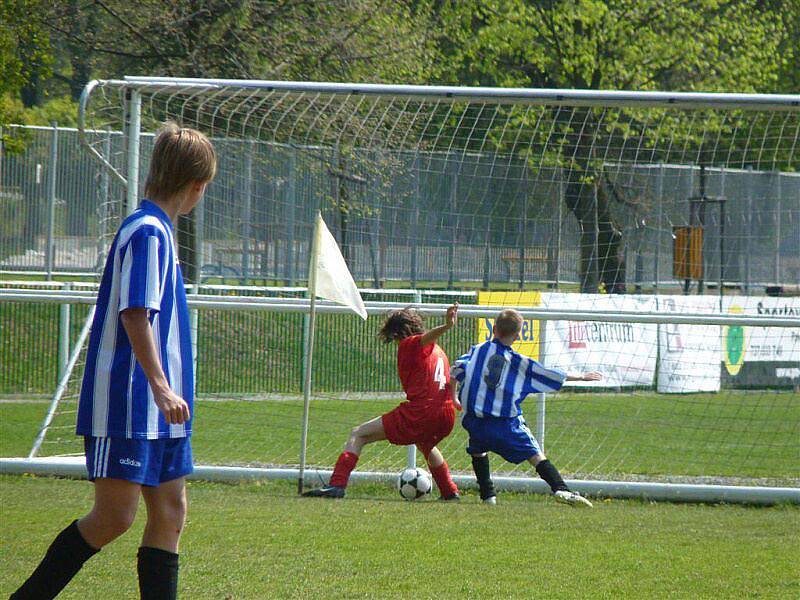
x=136, y=404
x=494, y=380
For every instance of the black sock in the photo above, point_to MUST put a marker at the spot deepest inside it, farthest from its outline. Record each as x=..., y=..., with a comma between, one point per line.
x=64, y=558
x=550, y=474
x=158, y=574
x=480, y=464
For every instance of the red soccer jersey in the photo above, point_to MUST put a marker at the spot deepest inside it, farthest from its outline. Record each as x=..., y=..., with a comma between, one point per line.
x=424, y=371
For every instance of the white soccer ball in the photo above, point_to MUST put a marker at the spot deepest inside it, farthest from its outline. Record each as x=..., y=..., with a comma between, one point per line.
x=414, y=484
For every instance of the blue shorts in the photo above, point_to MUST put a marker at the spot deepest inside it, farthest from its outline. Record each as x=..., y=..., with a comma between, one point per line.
x=146, y=462
x=507, y=436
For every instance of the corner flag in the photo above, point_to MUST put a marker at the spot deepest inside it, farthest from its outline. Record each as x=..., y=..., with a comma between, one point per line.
x=331, y=279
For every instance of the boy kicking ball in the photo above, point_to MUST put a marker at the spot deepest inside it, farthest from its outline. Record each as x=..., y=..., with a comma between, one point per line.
x=427, y=417
x=135, y=410
x=494, y=381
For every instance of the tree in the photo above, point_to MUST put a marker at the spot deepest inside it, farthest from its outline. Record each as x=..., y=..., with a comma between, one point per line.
x=709, y=45
x=25, y=57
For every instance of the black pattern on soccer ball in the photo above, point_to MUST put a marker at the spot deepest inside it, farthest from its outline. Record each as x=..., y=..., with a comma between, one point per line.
x=413, y=484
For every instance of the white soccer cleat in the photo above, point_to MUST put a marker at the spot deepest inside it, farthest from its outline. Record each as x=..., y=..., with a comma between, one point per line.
x=571, y=498
x=491, y=500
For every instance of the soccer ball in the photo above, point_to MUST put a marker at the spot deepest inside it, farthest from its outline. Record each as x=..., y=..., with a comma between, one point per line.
x=414, y=483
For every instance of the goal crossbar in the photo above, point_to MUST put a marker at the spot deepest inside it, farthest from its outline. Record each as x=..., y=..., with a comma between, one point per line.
x=542, y=96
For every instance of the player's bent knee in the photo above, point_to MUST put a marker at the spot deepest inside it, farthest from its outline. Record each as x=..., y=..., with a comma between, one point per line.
x=537, y=458
x=174, y=510
x=115, y=522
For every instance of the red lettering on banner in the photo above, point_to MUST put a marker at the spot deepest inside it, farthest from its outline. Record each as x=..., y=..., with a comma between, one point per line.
x=577, y=335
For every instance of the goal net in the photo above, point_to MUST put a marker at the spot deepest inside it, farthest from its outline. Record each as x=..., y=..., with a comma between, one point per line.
x=566, y=203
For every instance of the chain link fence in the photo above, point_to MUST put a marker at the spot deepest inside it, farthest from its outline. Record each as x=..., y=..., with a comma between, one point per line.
x=434, y=219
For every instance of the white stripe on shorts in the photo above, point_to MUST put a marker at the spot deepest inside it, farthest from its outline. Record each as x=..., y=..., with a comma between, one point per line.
x=107, y=454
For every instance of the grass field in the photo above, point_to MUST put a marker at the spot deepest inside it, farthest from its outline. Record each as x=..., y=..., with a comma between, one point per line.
x=260, y=541
x=732, y=436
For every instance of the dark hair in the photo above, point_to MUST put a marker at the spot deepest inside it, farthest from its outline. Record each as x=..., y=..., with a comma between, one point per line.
x=508, y=322
x=400, y=324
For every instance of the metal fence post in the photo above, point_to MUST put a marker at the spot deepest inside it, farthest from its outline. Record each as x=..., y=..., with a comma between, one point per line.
x=134, y=127
x=748, y=240
x=560, y=226
x=451, y=250
x=51, y=202
x=415, y=224
x=659, y=226
x=249, y=148
x=63, y=335
x=778, y=203
x=289, y=274
x=105, y=198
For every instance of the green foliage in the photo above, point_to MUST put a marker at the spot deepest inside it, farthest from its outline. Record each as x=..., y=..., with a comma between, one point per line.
x=62, y=110
x=710, y=45
x=24, y=44
x=25, y=54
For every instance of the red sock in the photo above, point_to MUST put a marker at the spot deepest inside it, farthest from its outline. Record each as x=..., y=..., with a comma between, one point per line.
x=441, y=475
x=344, y=466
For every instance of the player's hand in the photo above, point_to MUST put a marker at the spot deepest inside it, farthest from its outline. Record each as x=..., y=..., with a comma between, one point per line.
x=452, y=315
x=592, y=376
x=172, y=406
x=457, y=403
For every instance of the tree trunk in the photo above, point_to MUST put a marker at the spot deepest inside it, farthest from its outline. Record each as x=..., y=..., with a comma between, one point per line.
x=588, y=199
x=611, y=262
x=579, y=198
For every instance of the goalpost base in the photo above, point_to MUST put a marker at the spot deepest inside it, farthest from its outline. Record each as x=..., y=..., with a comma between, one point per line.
x=74, y=466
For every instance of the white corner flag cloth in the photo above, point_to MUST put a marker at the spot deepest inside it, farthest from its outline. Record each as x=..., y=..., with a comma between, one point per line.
x=333, y=280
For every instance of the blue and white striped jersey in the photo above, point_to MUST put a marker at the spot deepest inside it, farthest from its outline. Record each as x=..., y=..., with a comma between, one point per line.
x=141, y=271
x=495, y=379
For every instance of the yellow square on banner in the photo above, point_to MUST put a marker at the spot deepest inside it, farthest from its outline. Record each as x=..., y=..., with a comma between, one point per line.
x=528, y=342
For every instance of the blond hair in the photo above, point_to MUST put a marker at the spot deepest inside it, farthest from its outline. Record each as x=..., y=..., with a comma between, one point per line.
x=508, y=323
x=180, y=156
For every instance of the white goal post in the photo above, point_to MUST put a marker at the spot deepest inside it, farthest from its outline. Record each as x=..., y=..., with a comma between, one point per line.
x=637, y=232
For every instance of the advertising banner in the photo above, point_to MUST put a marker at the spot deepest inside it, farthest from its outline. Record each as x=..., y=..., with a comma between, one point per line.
x=625, y=353
x=528, y=343
x=689, y=355
x=761, y=356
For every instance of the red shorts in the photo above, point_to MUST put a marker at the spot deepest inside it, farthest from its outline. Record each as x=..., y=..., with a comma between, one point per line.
x=422, y=425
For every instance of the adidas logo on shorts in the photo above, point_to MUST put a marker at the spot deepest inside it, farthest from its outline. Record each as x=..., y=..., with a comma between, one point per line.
x=130, y=462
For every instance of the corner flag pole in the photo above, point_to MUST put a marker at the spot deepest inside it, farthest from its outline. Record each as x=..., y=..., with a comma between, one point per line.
x=309, y=355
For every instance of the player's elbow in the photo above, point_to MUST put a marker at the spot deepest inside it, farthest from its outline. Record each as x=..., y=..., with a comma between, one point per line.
x=133, y=316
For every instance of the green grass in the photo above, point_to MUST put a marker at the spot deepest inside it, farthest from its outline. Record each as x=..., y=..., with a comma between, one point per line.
x=260, y=541
x=732, y=436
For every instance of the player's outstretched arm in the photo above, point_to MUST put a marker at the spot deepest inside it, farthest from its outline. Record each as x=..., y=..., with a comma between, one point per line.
x=140, y=334
x=589, y=376
x=434, y=334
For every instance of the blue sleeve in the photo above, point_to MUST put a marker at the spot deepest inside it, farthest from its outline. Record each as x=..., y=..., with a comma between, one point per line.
x=539, y=378
x=142, y=271
x=459, y=369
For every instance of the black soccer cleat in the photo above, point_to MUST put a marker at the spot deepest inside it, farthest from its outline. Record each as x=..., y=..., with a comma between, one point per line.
x=452, y=498
x=328, y=491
